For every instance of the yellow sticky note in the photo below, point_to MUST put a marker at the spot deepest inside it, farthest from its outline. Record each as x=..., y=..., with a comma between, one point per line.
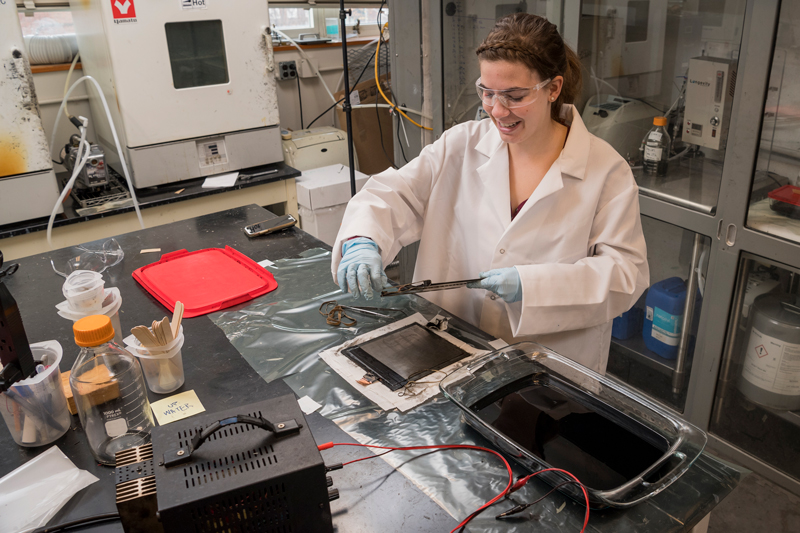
x=177, y=407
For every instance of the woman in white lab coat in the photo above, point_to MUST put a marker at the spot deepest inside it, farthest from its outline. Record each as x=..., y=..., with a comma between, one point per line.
x=547, y=213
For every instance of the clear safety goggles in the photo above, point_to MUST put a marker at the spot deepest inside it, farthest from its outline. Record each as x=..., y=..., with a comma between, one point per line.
x=509, y=98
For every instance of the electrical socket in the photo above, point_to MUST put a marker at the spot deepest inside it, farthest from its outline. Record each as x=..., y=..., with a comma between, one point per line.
x=287, y=70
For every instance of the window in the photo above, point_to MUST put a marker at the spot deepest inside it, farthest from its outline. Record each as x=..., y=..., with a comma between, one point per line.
x=293, y=21
x=366, y=16
x=197, y=53
x=291, y=18
x=637, y=21
x=47, y=23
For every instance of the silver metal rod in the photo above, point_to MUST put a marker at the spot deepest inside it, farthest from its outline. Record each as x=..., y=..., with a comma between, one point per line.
x=733, y=332
x=678, y=376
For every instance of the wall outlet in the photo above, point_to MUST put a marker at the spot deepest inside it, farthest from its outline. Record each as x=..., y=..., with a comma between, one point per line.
x=287, y=70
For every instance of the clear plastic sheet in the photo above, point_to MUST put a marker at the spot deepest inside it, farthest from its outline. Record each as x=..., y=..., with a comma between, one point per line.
x=33, y=493
x=280, y=335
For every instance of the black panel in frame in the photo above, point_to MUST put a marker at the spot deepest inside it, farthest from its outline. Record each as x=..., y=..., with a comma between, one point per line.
x=412, y=351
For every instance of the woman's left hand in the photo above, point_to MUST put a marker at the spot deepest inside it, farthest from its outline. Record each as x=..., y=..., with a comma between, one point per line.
x=504, y=282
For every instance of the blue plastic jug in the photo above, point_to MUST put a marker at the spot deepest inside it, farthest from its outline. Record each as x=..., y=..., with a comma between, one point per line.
x=663, y=317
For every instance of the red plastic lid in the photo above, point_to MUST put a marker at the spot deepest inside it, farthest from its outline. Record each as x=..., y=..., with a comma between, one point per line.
x=206, y=280
x=788, y=194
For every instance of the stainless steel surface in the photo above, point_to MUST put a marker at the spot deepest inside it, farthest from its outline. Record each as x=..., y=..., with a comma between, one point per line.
x=688, y=317
x=635, y=348
x=690, y=183
x=719, y=447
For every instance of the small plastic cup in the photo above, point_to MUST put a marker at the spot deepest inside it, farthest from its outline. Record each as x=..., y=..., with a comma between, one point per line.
x=162, y=365
x=112, y=301
x=35, y=409
x=83, y=289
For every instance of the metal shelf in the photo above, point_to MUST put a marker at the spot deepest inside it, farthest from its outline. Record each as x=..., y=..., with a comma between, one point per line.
x=793, y=417
x=635, y=348
x=693, y=183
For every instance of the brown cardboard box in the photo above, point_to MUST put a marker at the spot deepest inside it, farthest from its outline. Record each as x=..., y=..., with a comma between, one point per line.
x=96, y=386
x=73, y=410
x=366, y=134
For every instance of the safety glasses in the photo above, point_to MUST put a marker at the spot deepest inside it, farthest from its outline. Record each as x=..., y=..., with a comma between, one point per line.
x=509, y=98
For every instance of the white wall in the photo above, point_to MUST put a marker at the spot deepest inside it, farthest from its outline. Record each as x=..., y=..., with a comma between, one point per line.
x=315, y=97
x=50, y=89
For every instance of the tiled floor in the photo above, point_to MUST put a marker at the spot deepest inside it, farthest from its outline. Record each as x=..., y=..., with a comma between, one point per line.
x=757, y=506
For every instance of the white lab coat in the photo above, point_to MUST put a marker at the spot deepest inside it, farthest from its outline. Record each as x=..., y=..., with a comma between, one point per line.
x=577, y=243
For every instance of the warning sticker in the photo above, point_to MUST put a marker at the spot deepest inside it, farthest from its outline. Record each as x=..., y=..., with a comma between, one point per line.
x=772, y=364
x=193, y=4
x=124, y=11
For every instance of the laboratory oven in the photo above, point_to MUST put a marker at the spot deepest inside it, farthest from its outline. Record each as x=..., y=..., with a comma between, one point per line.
x=189, y=82
x=28, y=187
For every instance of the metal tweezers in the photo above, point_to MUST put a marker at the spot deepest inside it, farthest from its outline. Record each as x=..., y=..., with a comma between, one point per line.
x=336, y=313
x=426, y=286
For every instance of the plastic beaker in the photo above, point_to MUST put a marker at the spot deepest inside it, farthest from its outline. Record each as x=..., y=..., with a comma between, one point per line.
x=162, y=365
x=112, y=302
x=83, y=289
x=35, y=409
x=109, y=391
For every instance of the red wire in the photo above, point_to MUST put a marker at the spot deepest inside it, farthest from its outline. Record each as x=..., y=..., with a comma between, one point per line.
x=511, y=487
x=519, y=484
x=368, y=457
x=437, y=447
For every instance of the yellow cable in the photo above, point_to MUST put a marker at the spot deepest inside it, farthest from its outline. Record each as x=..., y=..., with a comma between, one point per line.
x=378, y=83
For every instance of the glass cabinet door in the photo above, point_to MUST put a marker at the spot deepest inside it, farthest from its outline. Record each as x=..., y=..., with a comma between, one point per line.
x=642, y=60
x=757, y=403
x=774, y=205
x=652, y=345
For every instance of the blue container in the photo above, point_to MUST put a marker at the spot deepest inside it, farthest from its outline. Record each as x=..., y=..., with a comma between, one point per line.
x=628, y=324
x=663, y=317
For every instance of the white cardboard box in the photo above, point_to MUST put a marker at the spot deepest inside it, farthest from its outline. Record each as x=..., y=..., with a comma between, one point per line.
x=322, y=196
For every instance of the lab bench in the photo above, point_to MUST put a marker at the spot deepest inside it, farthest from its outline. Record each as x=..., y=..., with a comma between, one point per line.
x=374, y=497
x=159, y=205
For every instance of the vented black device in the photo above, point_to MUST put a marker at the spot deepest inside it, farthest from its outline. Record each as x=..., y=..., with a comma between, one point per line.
x=267, y=476
x=16, y=358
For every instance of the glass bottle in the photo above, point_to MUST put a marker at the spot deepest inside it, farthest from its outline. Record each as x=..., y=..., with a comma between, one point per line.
x=109, y=391
x=656, y=148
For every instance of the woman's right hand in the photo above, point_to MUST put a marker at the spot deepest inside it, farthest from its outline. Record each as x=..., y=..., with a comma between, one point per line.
x=361, y=268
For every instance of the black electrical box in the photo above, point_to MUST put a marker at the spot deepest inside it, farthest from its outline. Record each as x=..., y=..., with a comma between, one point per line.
x=242, y=479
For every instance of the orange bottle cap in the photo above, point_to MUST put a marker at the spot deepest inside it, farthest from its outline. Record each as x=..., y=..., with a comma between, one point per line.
x=659, y=121
x=93, y=330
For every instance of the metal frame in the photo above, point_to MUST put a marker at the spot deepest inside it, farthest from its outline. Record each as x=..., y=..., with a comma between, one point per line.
x=725, y=227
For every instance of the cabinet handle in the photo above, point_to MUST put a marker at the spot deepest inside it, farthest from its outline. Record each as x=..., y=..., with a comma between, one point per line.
x=730, y=235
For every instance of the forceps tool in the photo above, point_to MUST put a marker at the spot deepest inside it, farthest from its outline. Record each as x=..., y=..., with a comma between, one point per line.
x=426, y=286
x=335, y=313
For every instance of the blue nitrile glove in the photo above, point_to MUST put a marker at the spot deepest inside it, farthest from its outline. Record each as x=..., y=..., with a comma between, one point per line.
x=361, y=268
x=504, y=282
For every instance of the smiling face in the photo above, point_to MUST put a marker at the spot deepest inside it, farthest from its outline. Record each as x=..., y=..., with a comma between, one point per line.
x=518, y=125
